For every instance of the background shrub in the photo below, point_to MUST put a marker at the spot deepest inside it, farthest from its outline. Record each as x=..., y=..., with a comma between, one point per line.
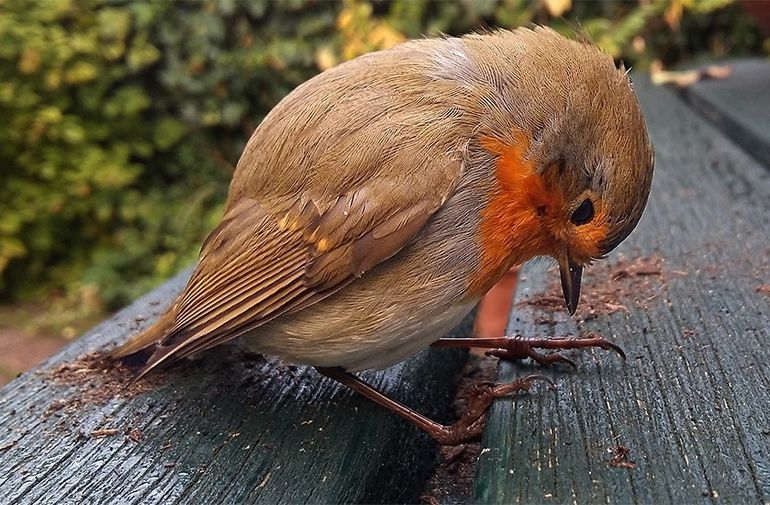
x=122, y=121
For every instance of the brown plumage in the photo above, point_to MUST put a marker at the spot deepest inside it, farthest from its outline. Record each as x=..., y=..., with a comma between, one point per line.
x=378, y=201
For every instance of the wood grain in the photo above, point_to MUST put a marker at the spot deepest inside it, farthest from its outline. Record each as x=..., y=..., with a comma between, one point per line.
x=227, y=428
x=691, y=403
x=737, y=105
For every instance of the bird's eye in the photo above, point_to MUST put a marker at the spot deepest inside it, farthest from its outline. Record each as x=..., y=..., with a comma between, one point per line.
x=584, y=213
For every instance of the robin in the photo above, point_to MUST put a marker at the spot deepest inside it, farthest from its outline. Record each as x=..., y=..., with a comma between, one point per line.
x=379, y=201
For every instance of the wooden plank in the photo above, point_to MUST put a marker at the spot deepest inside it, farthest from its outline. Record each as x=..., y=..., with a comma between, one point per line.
x=228, y=428
x=691, y=403
x=738, y=105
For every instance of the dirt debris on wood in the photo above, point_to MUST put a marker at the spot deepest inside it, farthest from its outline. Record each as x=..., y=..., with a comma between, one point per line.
x=93, y=380
x=620, y=458
x=453, y=476
x=105, y=432
x=610, y=288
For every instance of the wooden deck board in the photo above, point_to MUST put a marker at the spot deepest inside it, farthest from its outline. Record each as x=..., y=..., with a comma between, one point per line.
x=691, y=403
x=738, y=105
x=225, y=429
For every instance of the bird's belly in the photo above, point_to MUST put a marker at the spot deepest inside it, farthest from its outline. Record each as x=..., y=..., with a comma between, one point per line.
x=394, y=310
x=362, y=344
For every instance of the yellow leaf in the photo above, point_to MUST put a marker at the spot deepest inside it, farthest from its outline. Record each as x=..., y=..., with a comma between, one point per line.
x=325, y=58
x=557, y=8
x=345, y=18
x=50, y=115
x=53, y=78
x=81, y=72
x=352, y=49
x=384, y=37
x=673, y=14
x=29, y=61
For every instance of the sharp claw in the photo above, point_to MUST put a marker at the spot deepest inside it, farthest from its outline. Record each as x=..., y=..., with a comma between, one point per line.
x=523, y=384
x=535, y=377
x=613, y=347
x=564, y=359
x=497, y=353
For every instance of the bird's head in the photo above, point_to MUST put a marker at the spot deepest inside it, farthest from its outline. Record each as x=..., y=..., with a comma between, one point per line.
x=598, y=189
x=575, y=167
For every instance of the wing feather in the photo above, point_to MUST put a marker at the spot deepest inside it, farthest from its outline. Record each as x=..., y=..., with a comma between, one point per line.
x=254, y=282
x=258, y=265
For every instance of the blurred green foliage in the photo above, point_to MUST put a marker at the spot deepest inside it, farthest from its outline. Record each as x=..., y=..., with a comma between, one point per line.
x=122, y=121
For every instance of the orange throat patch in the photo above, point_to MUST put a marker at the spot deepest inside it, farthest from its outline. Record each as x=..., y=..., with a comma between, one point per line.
x=523, y=216
x=526, y=216
x=512, y=230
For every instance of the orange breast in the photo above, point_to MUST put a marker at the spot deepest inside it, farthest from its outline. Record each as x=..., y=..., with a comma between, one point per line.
x=512, y=230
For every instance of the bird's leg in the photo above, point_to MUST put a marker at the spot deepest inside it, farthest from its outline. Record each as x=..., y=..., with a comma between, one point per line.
x=468, y=428
x=519, y=347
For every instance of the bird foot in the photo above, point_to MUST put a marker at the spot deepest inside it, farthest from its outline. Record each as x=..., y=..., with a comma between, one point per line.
x=515, y=348
x=480, y=397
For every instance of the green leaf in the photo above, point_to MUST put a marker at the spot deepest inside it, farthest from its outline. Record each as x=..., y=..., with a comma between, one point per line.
x=168, y=131
x=80, y=72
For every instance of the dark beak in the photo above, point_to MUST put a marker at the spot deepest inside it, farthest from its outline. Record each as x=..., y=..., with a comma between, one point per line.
x=571, y=274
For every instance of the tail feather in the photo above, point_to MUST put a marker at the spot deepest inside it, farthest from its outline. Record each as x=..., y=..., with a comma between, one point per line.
x=147, y=339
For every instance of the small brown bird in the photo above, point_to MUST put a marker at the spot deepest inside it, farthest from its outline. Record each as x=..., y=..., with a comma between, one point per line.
x=377, y=203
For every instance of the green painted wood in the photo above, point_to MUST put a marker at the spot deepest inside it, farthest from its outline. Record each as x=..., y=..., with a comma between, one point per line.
x=227, y=428
x=691, y=403
x=738, y=105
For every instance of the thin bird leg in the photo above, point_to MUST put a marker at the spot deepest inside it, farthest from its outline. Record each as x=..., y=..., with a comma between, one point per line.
x=519, y=347
x=468, y=428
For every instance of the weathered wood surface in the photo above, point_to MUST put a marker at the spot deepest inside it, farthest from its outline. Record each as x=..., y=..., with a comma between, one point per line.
x=691, y=403
x=230, y=428
x=739, y=105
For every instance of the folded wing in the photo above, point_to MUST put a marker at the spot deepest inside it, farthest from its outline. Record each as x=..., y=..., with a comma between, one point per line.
x=265, y=260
